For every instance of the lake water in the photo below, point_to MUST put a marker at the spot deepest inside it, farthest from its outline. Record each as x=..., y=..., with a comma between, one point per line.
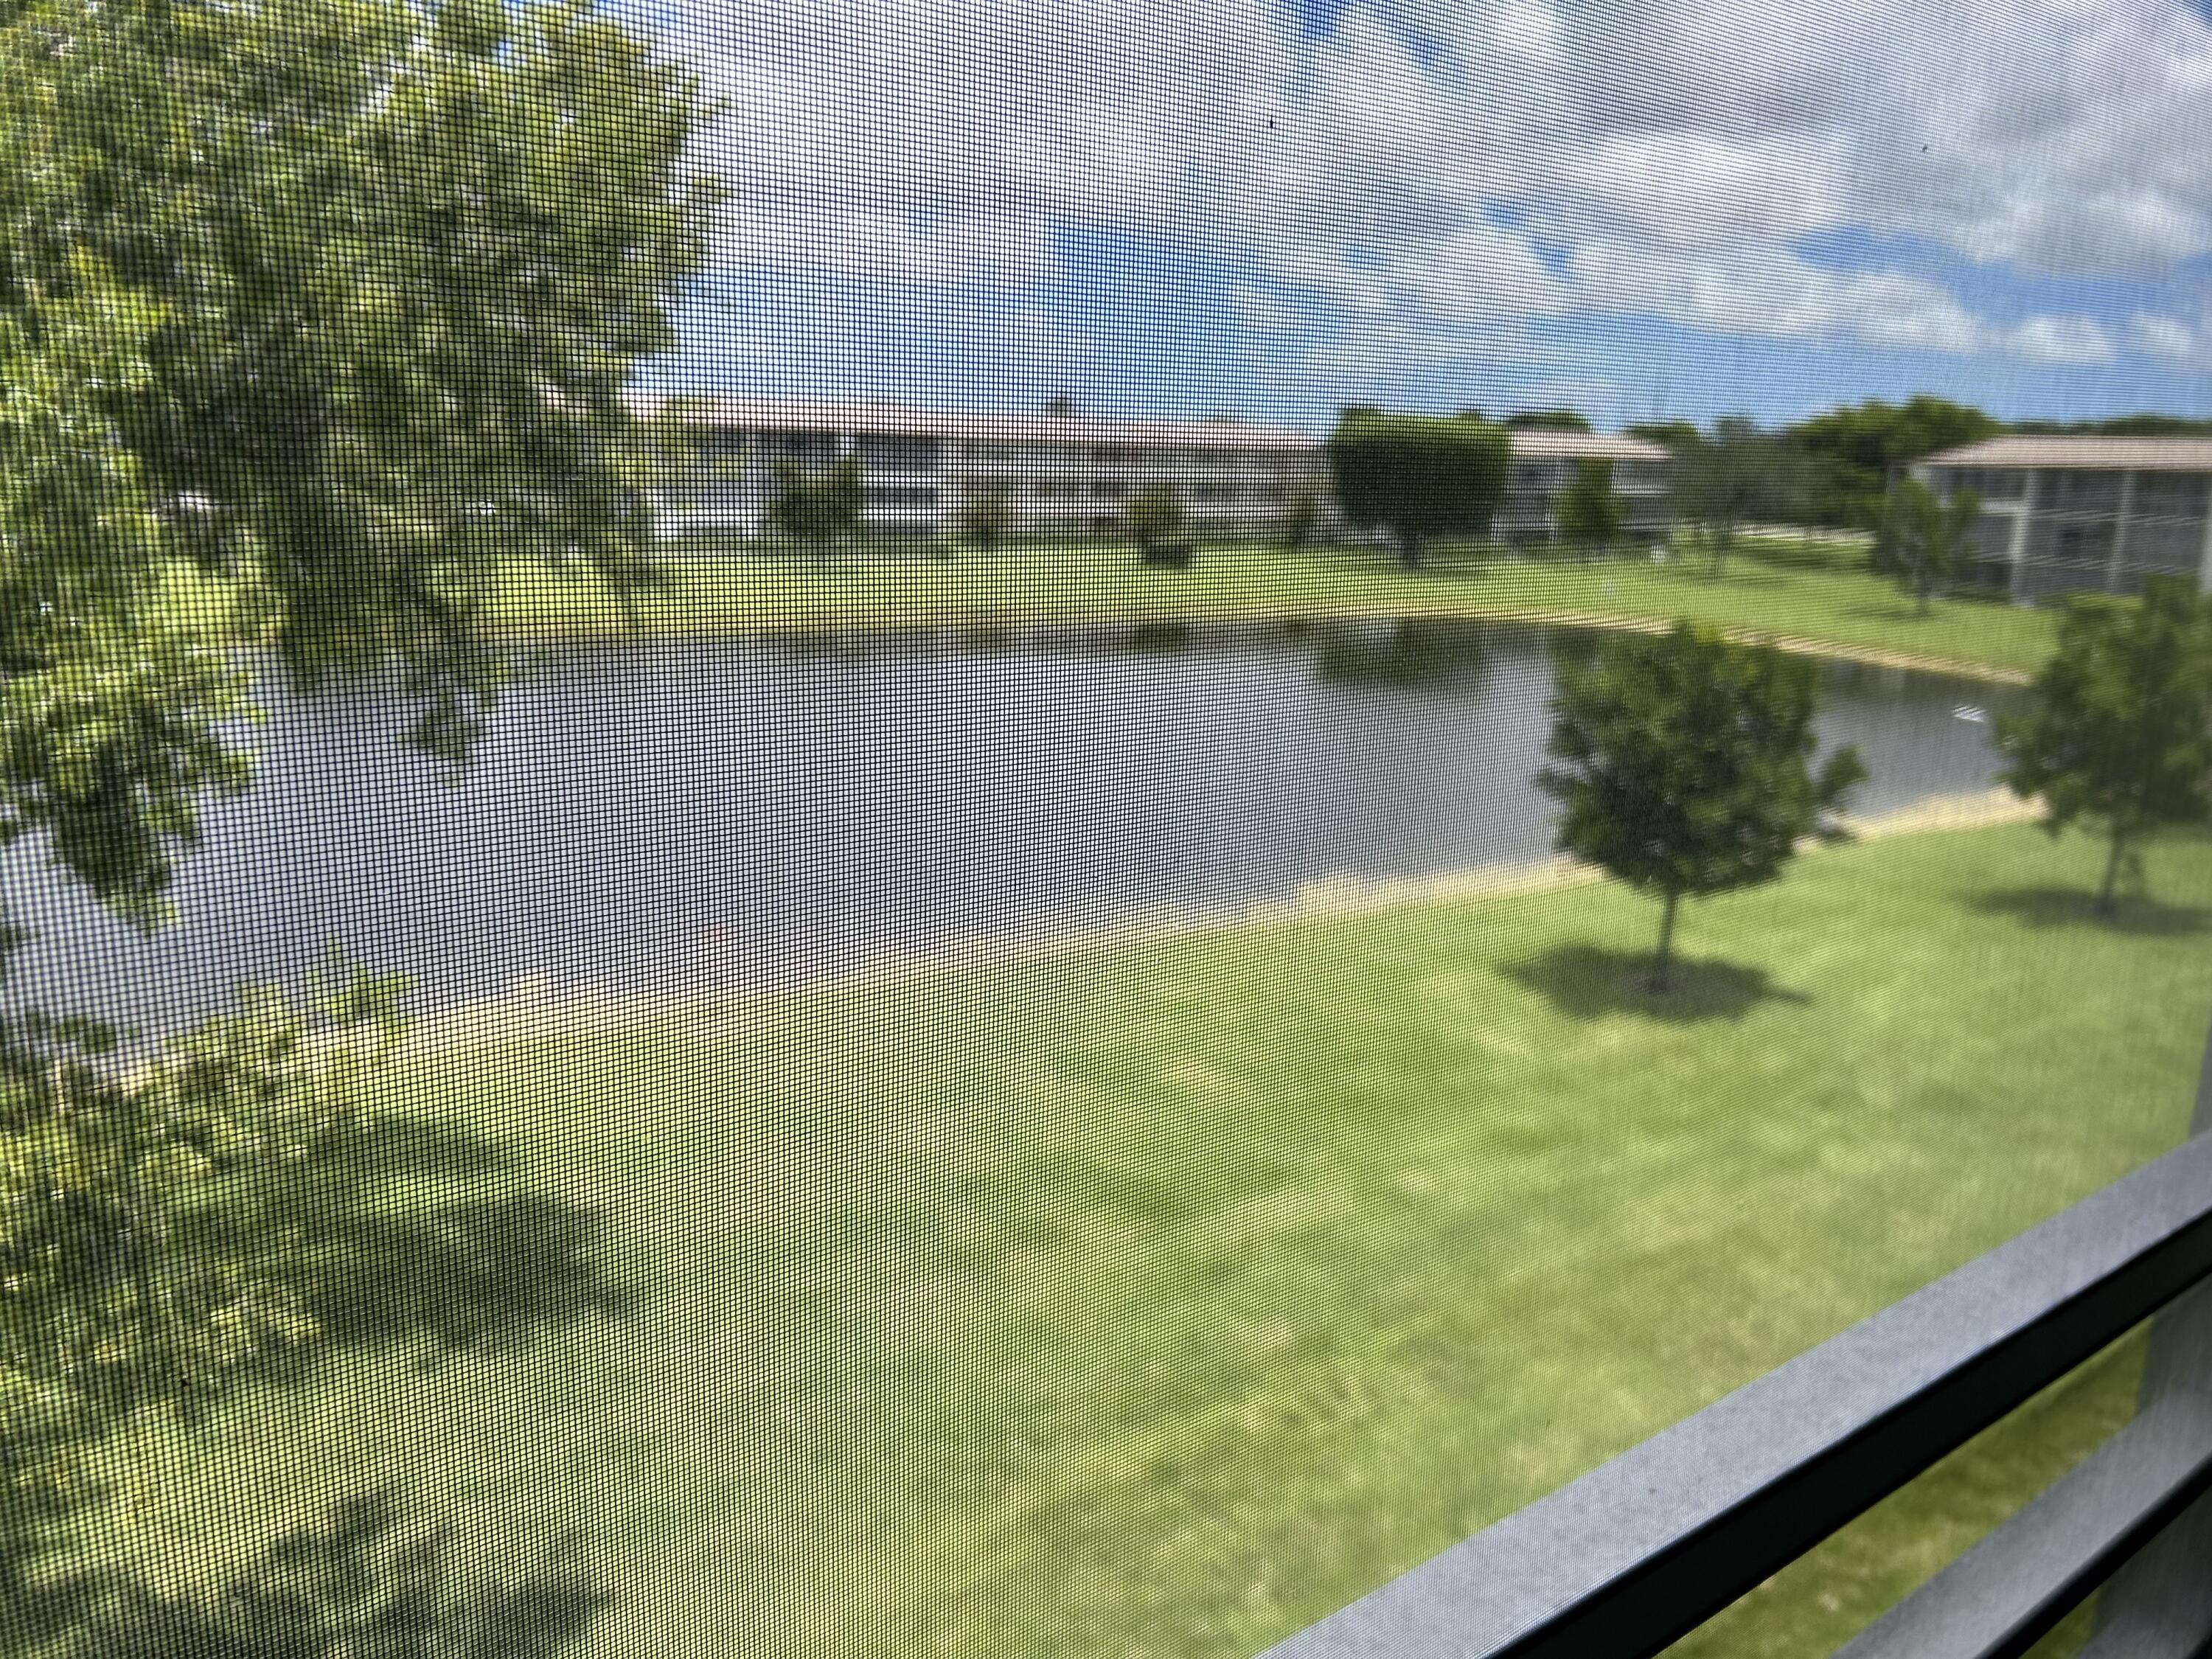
x=662, y=814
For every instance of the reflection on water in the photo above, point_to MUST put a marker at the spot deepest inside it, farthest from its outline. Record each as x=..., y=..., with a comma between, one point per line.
x=652, y=814
x=1418, y=651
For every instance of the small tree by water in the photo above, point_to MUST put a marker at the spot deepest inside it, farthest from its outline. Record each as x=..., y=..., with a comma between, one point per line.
x=1685, y=765
x=819, y=510
x=2122, y=731
x=1589, y=512
x=1923, y=539
x=1155, y=520
x=986, y=514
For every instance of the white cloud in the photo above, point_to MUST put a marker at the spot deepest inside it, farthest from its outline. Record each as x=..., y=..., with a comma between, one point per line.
x=885, y=245
x=1500, y=160
x=2061, y=340
x=2187, y=344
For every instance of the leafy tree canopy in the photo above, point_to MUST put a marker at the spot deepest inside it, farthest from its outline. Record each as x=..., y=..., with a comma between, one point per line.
x=818, y=508
x=1668, y=434
x=1924, y=538
x=2122, y=730
x=1684, y=763
x=336, y=300
x=314, y=314
x=1588, y=511
x=2143, y=425
x=1154, y=518
x=1419, y=476
x=1853, y=449
x=142, y=1234
x=986, y=514
x=1736, y=476
x=1301, y=522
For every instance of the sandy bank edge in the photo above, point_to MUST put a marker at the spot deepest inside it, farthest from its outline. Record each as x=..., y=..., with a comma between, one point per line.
x=1277, y=614
x=529, y=1008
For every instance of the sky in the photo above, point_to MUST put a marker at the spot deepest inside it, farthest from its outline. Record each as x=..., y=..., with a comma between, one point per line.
x=1679, y=208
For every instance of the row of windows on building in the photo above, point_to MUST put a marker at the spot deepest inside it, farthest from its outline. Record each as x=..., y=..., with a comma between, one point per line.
x=882, y=452
x=2054, y=529
x=893, y=452
x=1084, y=491
x=1549, y=475
x=2151, y=494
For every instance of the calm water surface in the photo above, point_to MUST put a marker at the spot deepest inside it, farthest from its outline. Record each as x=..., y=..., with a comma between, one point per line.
x=648, y=815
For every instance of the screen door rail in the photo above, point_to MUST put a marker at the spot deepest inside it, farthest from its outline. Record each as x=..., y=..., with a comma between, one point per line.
x=1642, y=1550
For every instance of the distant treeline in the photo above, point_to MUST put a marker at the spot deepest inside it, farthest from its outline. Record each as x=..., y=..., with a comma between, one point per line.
x=1850, y=455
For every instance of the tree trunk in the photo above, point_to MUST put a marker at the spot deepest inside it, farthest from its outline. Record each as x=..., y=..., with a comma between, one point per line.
x=1409, y=551
x=1664, y=959
x=2105, y=906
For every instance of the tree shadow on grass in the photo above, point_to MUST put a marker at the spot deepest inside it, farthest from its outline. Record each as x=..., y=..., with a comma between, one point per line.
x=2074, y=907
x=421, y=1234
x=490, y=1271
x=1584, y=982
x=35, y=1610
x=364, y=1582
x=426, y=1233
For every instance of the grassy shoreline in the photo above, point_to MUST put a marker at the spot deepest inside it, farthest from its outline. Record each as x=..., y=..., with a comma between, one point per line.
x=1808, y=608
x=1811, y=610
x=535, y=1006
x=1159, y=1296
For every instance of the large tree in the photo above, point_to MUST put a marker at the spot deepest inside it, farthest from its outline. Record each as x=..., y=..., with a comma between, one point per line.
x=818, y=508
x=1588, y=511
x=1735, y=475
x=1684, y=764
x=1154, y=518
x=1924, y=539
x=1856, y=450
x=1418, y=476
x=314, y=314
x=2121, y=733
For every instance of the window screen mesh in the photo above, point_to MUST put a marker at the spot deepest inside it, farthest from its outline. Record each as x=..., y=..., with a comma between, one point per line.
x=976, y=829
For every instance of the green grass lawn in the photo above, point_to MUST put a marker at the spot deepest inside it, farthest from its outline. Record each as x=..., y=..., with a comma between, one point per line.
x=1156, y=1297
x=1812, y=602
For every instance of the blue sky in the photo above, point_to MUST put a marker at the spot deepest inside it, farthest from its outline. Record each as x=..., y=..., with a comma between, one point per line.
x=1685, y=208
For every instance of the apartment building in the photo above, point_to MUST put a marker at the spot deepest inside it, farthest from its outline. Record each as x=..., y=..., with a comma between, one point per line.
x=2071, y=514
x=1545, y=462
x=1061, y=473
x=1071, y=474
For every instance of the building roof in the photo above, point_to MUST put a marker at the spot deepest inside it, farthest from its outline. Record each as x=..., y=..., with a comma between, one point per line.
x=2087, y=454
x=1537, y=443
x=782, y=415
x=797, y=414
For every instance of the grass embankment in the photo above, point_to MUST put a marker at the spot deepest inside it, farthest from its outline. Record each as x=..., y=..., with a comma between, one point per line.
x=1809, y=603
x=1157, y=1299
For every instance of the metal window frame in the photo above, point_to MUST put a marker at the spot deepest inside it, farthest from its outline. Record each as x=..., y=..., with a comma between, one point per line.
x=1633, y=1555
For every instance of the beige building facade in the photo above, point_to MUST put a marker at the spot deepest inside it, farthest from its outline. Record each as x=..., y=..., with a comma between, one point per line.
x=1060, y=474
x=2074, y=514
x=1071, y=474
